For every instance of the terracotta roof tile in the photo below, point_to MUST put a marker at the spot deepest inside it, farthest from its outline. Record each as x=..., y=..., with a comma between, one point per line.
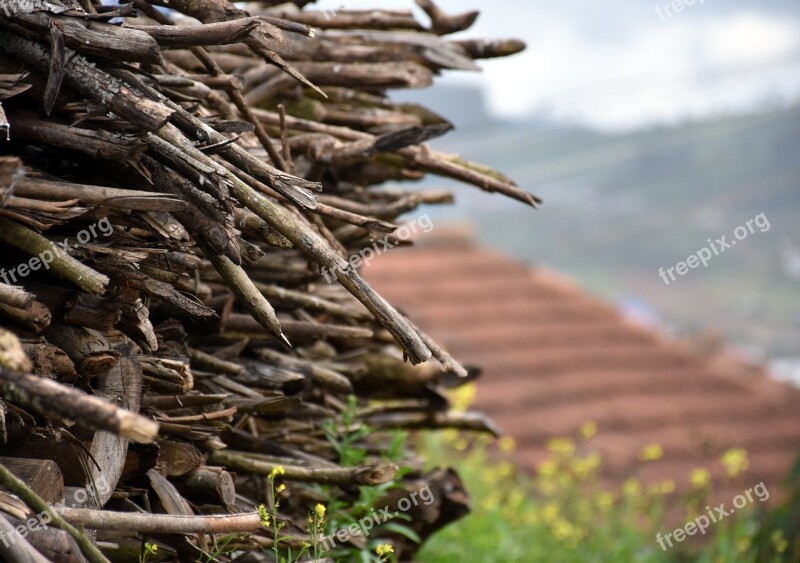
x=555, y=357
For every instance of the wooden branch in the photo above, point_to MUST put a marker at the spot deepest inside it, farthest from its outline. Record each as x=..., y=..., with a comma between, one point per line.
x=321, y=253
x=162, y=523
x=222, y=33
x=443, y=24
x=38, y=505
x=250, y=463
x=14, y=296
x=115, y=198
x=50, y=398
x=86, y=78
x=34, y=244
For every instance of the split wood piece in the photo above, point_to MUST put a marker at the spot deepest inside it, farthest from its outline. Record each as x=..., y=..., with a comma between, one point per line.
x=42, y=476
x=49, y=360
x=234, y=94
x=178, y=36
x=311, y=302
x=171, y=500
x=122, y=385
x=167, y=374
x=97, y=85
x=296, y=189
x=163, y=523
x=114, y=198
x=209, y=484
x=12, y=354
x=448, y=362
x=435, y=162
x=87, y=348
x=59, y=262
x=96, y=39
x=383, y=47
x=224, y=415
x=248, y=295
x=96, y=144
x=49, y=398
x=298, y=329
x=170, y=402
x=375, y=76
x=489, y=49
x=35, y=317
x=14, y=296
x=350, y=19
x=265, y=42
x=280, y=162
x=253, y=226
x=322, y=254
x=52, y=543
x=39, y=505
x=444, y=24
x=468, y=421
x=404, y=203
x=18, y=550
x=320, y=375
x=212, y=363
x=203, y=228
x=178, y=458
x=376, y=474
x=458, y=169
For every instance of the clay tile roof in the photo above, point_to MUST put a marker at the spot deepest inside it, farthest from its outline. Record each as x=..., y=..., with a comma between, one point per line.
x=555, y=357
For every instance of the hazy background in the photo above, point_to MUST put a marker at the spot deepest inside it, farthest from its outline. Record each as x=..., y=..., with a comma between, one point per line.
x=645, y=136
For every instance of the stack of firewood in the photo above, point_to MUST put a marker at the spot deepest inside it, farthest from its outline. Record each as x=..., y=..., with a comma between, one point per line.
x=173, y=184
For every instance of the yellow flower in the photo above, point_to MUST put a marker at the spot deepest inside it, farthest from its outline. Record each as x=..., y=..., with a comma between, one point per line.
x=585, y=466
x=780, y=543
x=507, y=444
x=264, y=515
x=700, y=477
x=462, y=397
x=735, y=461
x=505, y=469
x=632, y=488
x=605, y=501
x=280, y=488
x=653, y=452
x=563, y=446
x=384, y=549
x=550, y=512
x=743, y=545
x=277, y=470
x=320, y=510
x=548, y=468
x=150, y=548
x=661, y=488
x=588, y=430
x=667, y=486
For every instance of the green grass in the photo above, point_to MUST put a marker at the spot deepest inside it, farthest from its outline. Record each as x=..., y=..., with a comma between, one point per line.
x=563, y=513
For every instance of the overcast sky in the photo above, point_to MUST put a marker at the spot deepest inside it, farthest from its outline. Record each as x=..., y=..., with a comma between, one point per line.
x=618, y=64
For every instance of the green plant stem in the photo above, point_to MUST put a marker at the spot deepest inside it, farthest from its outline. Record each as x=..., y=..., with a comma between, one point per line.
x=39, y=505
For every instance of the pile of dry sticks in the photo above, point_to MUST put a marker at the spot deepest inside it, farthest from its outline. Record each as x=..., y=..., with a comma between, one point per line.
x=175, y=175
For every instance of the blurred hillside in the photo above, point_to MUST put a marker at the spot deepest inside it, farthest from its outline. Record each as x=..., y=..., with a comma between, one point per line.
x=618, y=206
